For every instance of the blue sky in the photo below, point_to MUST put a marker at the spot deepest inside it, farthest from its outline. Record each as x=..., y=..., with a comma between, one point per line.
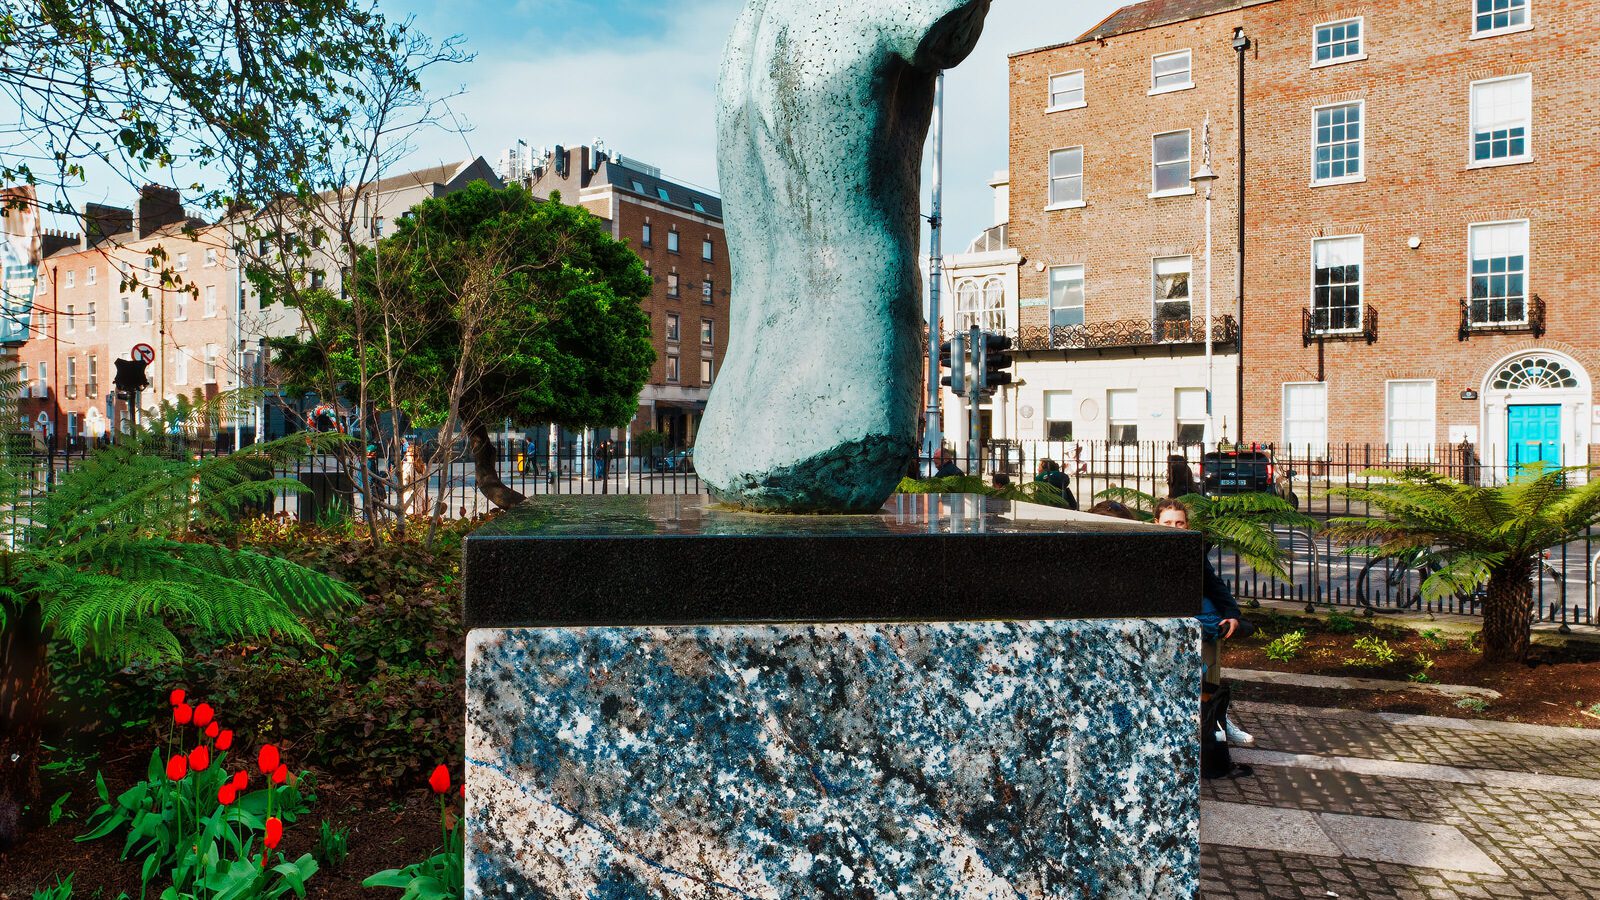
x=569, y=71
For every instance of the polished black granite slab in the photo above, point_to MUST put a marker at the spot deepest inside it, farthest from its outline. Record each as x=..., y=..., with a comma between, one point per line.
x=681, y=559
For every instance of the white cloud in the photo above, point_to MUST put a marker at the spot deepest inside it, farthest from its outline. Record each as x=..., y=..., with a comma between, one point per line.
x=652, y=96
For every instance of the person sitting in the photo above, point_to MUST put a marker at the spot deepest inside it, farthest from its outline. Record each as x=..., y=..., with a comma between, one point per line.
x=1220, y=617
x=947, y=465
x=1002, y=480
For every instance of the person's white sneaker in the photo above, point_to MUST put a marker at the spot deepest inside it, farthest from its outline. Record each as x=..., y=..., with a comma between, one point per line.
x=1237, y=736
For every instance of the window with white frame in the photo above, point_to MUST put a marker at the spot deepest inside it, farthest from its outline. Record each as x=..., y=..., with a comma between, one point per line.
x=994, y=305
x=180, y=367
x=1336, y=282
x=212, y=353
x=1339, y=143
x=1169, y=156
x=1499, y=273
x=672, y=284
x=180, y=305
x=1122, y=409
x=94, y=320
x=705, y=371
x=672, y=327
x=1502, y=118
x=1066, y=177
x=1171, y=71
x=94, y=371
x=1305, y=416
x=1411, y=423
x=1066, y=90
x=983, y=306
x=706, y=289
x=672, y=368
x=72, y=279
x=181, y=264
x=1190, y=406
x=708, y=333
x=707, y=252
x=91, y=276
x=1066, y=296
x=1338, y=42
x=1169, y=282
x=1058, y=415
x=72, y=318
x=72, y=374
x=968, y=299
x=149, y=309
x=1495, y=16
x=672, y=241
x=124, y=305
x=210, y=258
x=644, y=235
x=211, y=300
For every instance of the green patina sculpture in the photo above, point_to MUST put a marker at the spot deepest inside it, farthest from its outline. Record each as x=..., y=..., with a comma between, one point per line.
x=823, y=109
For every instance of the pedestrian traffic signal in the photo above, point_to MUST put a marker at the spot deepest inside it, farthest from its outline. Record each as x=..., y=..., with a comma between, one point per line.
x=953, y=356
x=996, y=361
x=130, y=378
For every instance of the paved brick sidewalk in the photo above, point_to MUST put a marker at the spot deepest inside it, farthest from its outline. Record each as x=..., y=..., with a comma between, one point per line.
x=1527, y=843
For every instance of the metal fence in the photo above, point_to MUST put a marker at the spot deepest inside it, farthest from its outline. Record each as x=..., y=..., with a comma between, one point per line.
x=1321, y=571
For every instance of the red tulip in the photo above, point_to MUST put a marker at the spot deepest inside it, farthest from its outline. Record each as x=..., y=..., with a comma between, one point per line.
x=200, y=758
x=268, y=759
x=225, y=739
x=241, y=779
x=183, y=714
x=213, y=730
x=280, y=775
x=203, y=714
x=177, y=768
x=274, y=833
x=227, y=794
x=439, y=780
x=176, y=697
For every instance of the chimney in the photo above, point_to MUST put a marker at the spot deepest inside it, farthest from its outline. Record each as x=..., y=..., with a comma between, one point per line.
x=52, y=241
x=158, y=207
x=101, y=222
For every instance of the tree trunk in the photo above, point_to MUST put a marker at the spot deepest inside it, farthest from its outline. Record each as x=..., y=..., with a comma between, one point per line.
x=484, y=468
x=1508, y=612
x=24, y=690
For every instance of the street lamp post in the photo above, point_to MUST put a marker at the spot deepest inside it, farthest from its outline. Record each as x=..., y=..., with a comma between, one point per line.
x=1241, y=44
x=932, y=437
x=1205, y=177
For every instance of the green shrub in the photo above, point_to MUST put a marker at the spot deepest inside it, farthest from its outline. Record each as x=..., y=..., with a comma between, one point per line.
x=1376, y=652
x=378, y=698
x=61, y=890
x=1435, y=639
x=1339, y=623
x=1424, y=664
x=1286, y=646
x=333, y=845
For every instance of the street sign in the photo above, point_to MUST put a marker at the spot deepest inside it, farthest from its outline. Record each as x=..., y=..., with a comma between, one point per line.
x=144, y=353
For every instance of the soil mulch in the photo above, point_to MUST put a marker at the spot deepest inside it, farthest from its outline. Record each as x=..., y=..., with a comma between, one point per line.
x=383, y=834
x=1558, y=685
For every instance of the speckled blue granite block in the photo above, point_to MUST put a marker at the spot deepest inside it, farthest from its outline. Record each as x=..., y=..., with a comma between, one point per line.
x=1042, y=759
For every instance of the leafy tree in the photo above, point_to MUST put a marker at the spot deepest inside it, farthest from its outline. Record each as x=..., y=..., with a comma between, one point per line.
x=1026, y=492
x=1242, y=524
x=106, y=562
x=1490, y=535
x=506, y=307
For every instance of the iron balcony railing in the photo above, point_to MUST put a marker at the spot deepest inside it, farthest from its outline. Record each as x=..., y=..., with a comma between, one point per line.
x=1478, y=321
x=1313, y=331
x=1126, y=333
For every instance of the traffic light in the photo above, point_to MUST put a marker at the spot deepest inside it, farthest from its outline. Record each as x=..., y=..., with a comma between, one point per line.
x=953, y=356
x=130, y=378
x=996, y=361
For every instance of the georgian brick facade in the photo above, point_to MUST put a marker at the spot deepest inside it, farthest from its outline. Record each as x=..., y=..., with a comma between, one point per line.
x=1476, y=145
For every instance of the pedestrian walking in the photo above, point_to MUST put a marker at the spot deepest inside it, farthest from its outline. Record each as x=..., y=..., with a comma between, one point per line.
x=1180, y=478
x=602, y=459
x=1050, y=473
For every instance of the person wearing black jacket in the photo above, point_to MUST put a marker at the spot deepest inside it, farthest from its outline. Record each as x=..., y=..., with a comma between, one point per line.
x=1050, y=473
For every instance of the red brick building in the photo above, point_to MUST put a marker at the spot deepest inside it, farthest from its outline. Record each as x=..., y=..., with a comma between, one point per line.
x=1420, y=198
x=677, y=230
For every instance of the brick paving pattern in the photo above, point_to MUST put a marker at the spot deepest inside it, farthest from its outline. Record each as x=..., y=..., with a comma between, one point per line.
x=1547, y=843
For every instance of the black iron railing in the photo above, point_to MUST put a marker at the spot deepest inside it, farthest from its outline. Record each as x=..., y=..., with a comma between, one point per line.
x=1126, y=333
x=1313, y=331
x=1479, y=322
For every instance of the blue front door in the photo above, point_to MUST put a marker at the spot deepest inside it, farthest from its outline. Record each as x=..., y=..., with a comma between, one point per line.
x=1534, y=436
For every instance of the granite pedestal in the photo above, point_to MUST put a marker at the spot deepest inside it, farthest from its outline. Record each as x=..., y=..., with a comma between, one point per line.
x=956, y=698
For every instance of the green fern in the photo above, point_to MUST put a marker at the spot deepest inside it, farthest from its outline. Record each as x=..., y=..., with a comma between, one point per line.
x=1239, y=523
x=108, y=560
